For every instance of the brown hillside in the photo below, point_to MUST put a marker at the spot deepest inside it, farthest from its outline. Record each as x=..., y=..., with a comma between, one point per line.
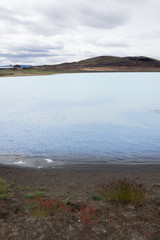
x=107, y=63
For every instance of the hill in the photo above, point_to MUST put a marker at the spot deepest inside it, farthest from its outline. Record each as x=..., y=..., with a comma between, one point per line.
x=106, y=63
x=96, y=64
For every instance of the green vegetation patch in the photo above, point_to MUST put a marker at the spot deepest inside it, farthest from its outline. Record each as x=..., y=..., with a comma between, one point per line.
x=96, y=197
x=123, y=190
x=34, y=195
x=5, y=196
x=5, y=74
x=4, y=189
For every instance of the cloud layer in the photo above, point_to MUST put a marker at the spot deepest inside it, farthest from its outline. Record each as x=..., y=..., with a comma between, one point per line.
x=52, y=31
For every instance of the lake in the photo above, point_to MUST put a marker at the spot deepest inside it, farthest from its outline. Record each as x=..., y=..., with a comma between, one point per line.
x=86, y=117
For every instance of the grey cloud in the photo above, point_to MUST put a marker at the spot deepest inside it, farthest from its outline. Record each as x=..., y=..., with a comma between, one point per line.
x=68, y=30
x=109, y=21
x=14, y=19
x=91, y=13
x=31, y=52
x=6, y=14
x=118, y=45
x=64, y=17
x=38, y=49
x=60, y=16
x=55, y=17
x=101, y=16
x=31, y=55
x=24, y=55
x=112, y=44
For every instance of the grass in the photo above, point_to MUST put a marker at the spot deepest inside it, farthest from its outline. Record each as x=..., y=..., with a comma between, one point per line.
x=5, y=196
x=4, y=189
x=123, y=190
x=20, y=188
x=25, y=72
x=34, y=195
x=3, y=185
x=40, y=213
x=5, y=74
x=27, y=187
x=41, y=188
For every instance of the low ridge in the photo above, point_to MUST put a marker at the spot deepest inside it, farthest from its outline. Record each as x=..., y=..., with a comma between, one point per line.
x=107, y=63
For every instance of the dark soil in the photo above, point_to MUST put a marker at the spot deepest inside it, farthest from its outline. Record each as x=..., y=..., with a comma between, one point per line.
x=75, y=186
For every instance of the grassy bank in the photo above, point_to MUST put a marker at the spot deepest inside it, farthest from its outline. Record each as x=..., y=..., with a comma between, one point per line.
x=24, y=72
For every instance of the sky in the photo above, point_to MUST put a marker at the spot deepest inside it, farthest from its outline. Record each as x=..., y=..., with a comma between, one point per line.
x=41, y=32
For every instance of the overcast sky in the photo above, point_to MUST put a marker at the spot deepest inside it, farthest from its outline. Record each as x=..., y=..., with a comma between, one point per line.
x=55, y=31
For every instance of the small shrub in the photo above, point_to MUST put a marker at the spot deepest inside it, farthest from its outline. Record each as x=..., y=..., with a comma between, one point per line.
x=123, y=190
x=96, y=197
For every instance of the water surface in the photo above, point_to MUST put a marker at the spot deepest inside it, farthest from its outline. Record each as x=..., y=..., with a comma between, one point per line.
x=105, y=117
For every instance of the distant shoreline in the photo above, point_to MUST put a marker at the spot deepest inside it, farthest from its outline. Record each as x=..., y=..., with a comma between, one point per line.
x=32, y=72
x=96, y=64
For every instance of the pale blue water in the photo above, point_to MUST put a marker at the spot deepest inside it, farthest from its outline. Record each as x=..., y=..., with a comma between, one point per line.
x=80, y=117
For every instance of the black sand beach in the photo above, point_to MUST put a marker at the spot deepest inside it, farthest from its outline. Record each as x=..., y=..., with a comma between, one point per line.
x=81, y=174
x=76, y=186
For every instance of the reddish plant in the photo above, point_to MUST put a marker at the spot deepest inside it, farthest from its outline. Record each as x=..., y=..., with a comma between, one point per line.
x=46, y=204
x=61, y=206
x=148, y=235
x=87, y=215
x=49, y=206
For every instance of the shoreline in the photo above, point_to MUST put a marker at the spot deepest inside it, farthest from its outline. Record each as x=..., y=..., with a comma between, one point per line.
x=86, y=174
x=30, y=73
x=49, y=161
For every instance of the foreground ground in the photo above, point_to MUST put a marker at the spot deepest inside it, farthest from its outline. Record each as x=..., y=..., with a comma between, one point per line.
x=81, y=214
